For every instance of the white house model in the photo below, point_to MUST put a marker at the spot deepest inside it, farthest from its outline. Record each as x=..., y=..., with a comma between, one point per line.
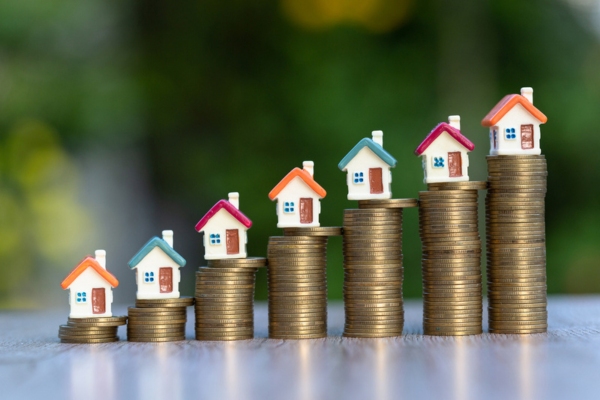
x=368, y=168
x=298, y=196
x=225, y=230
x=444, y=152
x=515, y=125
x=90, y=288
x=157, y=269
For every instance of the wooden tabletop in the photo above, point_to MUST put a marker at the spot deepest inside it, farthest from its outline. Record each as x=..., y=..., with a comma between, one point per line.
x=562, y=364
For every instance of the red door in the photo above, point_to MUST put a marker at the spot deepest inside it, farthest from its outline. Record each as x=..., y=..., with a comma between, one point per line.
x=98, y=301
x=376, y=180
x=306, y=211
x=165, y=279
x=455, y=164
x=233, y=241
x=526, y=137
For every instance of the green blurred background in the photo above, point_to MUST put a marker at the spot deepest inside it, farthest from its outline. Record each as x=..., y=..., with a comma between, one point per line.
x=122, y=118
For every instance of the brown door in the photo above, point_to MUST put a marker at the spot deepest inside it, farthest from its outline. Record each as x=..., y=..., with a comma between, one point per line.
x=165, y=279
x=526, y=137
x=455, y=164
x=495, y=135
x=306, y=211
x=375, y=180
x=233, y=241
x=98, y=301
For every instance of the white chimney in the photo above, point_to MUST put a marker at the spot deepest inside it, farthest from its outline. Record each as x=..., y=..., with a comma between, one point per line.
x=101, y=258
x=378, y=137
x=309, y=167
x=454, y=121
x=168, y=237
x=234, y=199
x=527, y=92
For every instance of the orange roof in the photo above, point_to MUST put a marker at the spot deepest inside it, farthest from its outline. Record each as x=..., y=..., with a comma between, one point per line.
x=506, y=104
x=302, y=174
x=87, y=262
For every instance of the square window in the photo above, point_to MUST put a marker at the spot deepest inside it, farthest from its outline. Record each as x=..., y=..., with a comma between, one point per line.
x=438, y=162
x=289, y=207
x=215, y=239
x=510, y=134
x=359, y=178
x=149, y=277
x=81, y=297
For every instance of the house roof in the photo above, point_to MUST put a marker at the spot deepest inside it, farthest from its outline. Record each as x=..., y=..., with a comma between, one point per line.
x=89, y=262
x=302, y=174
x=506, y=104
x=437, y=131
x=375, y=148
x=224, y=204
x=148, y=247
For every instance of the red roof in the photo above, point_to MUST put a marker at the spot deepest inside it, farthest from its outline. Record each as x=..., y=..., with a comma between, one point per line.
x=437, y=131
x=237, y=214
x=506, y=104
x=89, y=262
x=302, y=174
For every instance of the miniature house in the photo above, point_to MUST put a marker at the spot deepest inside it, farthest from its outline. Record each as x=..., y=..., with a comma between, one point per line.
x=157, y=269
x=368, y=168
x=444, y=152
x=515, y=125
x=298, y=196
x=225, y=230
x=90, y=288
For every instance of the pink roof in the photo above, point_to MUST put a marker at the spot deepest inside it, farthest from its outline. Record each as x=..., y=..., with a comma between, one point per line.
x=237, y=214
x=437, y=131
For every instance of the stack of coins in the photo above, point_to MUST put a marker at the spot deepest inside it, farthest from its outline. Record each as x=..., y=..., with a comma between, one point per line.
x=516, y=244
x=158, y=320
x=225, y=298
x=91, y=330
x=297, y=283
x=373, y=271
x=451, y=260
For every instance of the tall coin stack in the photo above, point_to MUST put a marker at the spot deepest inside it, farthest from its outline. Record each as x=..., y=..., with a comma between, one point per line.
x=516, y=244
x=451, y=260
x=297, y=283
x=225, y=298
x=373, y=269
x=91, y=330
x=158, y=320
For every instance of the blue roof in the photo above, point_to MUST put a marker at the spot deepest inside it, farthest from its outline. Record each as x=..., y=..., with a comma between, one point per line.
x=375, y=148
x=148, y=247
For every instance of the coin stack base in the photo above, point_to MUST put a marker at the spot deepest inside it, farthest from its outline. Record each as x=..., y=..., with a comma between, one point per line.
x=225, y=299
x=373, y=269
x=91, y=330
x=297, y=279
x=158, y=320
x=516, y=244
x=451, y=261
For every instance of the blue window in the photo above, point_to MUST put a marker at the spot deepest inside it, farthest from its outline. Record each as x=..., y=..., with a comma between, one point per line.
x=359, y=177
x=148, y=277
x=509, y=134
x=438, y=162
x=289, y=207
x=215, y=239
x=81, y=297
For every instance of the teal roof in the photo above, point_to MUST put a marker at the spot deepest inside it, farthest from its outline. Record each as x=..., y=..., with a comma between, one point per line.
x=148, y=247
x=375, y=148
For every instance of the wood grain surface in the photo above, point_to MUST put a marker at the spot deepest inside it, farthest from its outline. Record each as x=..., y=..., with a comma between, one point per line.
x=562, y=364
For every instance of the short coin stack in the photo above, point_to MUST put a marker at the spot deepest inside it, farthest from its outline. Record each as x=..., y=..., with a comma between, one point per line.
x=158, y=320
x=451, y=260
x=225, y=298
x=297, y=282
x=91, y=330
x=373, y=269
x=516, y=244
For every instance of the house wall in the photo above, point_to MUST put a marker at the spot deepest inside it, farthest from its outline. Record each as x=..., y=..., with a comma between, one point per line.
x=85, y=282
x=364, y=160
x=219, y=224
x=295, y=190
x=443, y=145
x=516, y=117
x=151, y=263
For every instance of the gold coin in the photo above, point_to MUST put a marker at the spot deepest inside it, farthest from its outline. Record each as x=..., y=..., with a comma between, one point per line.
x=387, y=203
x=248, y=262
x=314, y=231
x=90, y=341
x=166, y=303
x=157, y=339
